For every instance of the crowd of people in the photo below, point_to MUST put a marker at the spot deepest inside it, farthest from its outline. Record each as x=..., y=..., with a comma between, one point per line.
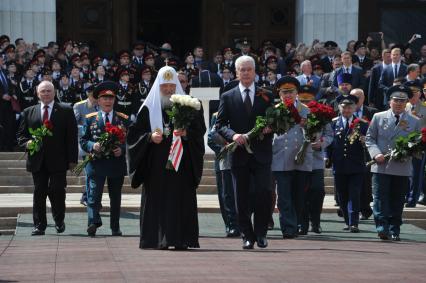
x=380, y=84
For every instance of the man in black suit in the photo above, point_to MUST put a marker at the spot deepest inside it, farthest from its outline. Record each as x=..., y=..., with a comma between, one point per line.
x=366, y=197
x=7, y=116
x=360, y=56
x=396, y=69
x=375, y=97
x=327, y=61
x=57, y=154
x=237, y=114
x=206, y=78
x=348, y=68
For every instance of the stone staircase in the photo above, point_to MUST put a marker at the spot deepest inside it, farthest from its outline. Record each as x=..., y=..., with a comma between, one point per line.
x=16, y=182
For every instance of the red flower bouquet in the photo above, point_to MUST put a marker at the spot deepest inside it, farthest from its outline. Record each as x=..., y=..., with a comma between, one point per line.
x=113, y=137
x=38, y=135
x=319, y=116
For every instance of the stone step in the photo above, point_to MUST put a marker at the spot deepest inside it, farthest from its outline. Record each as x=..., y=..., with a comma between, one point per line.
x=202, y=189
x=12, y=155
x=8, y=222
x=5, y=232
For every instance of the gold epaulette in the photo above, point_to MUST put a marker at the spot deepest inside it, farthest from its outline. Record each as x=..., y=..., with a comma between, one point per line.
x=91, y=114
x=335, y=118
x=122, y=115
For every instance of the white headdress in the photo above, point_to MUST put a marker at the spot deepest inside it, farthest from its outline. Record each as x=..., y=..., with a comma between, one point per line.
x=166, y=75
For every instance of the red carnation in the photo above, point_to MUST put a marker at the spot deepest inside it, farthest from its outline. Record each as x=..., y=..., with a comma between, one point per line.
x=424, y=135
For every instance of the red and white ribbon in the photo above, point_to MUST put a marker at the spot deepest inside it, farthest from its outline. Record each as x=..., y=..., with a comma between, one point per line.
x=176, y=152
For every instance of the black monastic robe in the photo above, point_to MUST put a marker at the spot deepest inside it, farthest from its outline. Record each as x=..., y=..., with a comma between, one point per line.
x=168, y=215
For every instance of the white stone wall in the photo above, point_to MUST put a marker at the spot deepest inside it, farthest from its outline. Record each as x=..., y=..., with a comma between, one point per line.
x=335, y=20
x=33, y=20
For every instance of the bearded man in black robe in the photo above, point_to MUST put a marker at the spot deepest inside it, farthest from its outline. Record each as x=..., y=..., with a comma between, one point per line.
x=168, y=216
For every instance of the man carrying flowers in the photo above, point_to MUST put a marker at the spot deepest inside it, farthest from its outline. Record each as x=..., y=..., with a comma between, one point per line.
x=48, y=131
x=104, y=139
x=348, y=159
x=390, y=176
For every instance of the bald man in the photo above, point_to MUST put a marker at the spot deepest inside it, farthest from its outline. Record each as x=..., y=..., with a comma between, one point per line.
x=57, y=154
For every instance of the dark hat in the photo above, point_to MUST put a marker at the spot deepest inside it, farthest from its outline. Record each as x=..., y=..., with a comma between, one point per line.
x=271, y=59
x=317, y=66
x=148, y=55
x=146, y=69
x=12, y=62
x=123, y=71
x=96, y=60
x=359, y=44
x=287, y=83
x=344, y=78
x=105, y=88
x=39, y=53
x=307, y=93
x=293, y=63
x=399, y=92
x=329, y=44
x=315, y=58
x=4, y=38
x=188, y=54
x=139, y=45
x=123, y=53
x=414, y=85
x=89, y=90
x=245, y=41
x=75, y=57
x=347, y=99
x=226, y=49
x=47, y=72
x=9, y=48
x=84, y=55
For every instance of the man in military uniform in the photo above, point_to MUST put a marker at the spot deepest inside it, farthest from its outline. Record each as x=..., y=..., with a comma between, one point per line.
x=125, y=95
x=64, y=93
x=327, y=61
x=390, y=177
x=417, y=108
x=81, y=109
x=316, y=191
x=245, y=49
x=292, y=179
x=142, y=89
x=26, y=93
x=348, y=159
x=113, y=168
x=138, y=54
x=125, y=63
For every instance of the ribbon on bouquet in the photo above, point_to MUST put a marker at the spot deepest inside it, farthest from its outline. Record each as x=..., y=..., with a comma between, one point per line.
x=176, y=152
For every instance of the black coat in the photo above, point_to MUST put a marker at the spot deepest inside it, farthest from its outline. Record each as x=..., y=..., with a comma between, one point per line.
x=233, y=118
x=58, y=150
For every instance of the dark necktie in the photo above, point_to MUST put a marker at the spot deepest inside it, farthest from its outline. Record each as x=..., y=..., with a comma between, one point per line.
x=46, y=113
x=396, y=71
x=106, y=118
x=347, y=70
x=347, y=125
x=308, y=79
x=396, y=119
x=247, y=101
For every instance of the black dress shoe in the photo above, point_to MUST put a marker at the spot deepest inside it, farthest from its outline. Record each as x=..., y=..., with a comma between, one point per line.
x=316, y=229
x=302, y=232
x=396, y=238
x=339, y=213
x=383, y=236
x=289, y=236
x=117, y=233
x=60, y=228
x=181, y=247
x=354, y=229
x=248, y=245
x=346, y=228
x=91, y=230
x=262, y=242
x=37, y=232
x=233, y=233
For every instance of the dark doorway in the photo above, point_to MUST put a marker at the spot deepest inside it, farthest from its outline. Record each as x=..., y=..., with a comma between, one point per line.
x=176, y=22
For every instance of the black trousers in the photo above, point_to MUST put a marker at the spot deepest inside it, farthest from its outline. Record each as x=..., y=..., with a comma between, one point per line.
x=314, y=199
x=51, y=185
x=260, y=175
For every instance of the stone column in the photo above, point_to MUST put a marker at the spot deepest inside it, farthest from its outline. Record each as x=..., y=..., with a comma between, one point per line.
x=33, y=20
x=335, y=20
